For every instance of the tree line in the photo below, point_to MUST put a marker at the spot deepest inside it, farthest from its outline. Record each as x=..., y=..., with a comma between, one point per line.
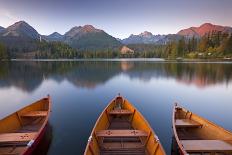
x=212, y=45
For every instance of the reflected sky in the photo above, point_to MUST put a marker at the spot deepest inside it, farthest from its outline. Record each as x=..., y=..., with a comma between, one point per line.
x=81, y=90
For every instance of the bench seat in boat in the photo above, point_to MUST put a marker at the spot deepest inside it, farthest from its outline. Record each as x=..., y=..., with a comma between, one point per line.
x=121, y=133
x=120, y=112
x=17, y=137
x=186, y=123
x=207, y=145
x=35, y=114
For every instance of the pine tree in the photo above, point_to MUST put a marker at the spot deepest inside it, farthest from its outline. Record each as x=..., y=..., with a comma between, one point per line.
x=181, y=47
x=3, y=52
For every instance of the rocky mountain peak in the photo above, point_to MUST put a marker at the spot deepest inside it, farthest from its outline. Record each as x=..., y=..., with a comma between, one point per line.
x=90, y=28
x=21, y=29
x=146, y=34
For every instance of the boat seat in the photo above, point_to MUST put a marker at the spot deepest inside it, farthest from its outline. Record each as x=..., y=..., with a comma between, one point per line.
x=16, y=137
x=186, y=123
x=121, y=133
x=35, y=114
x=120, y=112
x=120, y=145
x=207, y=145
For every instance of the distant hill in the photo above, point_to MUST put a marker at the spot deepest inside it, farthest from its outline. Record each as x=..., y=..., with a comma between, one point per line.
x=203, y=29
x=21, y=30
x=143, y=38
x=148, y=38
x=20, y=37
x=54, y=37
x=1, y=29
x=90, y=38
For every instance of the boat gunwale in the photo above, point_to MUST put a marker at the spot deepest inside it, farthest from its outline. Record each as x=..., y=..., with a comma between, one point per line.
x=45, y=121
x=151, y=129
x=124, y=99
x=98, y=119
x=43, y=125
x=205, y=120
x=175, y=132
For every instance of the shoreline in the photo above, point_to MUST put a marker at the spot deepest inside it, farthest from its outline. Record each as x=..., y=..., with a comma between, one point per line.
x=128, y=60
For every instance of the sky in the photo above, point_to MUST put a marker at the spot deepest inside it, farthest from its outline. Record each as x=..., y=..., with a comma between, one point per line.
x=119, y=18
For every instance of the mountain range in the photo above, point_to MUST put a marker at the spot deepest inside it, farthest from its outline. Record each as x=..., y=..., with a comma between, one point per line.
x=82, y=37
x=203, y=29
x=149, y=38
x=88, y=37
x=55, y=36
x=2, y=28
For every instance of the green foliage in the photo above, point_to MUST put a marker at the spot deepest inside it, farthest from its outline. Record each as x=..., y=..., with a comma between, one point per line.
x=95, y=41
x=55, y=50
x=3, y=52
x=181, y=47
x=212, y=45
x=226, y=46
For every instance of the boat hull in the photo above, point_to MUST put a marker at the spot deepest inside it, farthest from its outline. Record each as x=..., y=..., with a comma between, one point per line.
x=109, y=122
x=22, y=131
x=31, y=149
x=195, y=134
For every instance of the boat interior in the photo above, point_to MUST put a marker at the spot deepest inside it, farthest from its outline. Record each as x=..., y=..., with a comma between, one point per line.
x=19, y=130
x=121, y=129
x=199, y=136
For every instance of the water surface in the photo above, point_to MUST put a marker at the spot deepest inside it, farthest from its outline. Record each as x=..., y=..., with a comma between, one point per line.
x=81, y=90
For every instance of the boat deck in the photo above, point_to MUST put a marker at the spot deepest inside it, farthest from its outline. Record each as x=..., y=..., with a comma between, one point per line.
x=125, y=144
x=198, y=136
x=16, y=142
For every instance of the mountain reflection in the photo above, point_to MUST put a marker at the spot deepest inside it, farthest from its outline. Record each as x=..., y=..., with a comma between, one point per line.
x=29, y=75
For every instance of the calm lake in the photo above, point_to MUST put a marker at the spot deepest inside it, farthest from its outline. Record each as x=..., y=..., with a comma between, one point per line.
x=81, y=90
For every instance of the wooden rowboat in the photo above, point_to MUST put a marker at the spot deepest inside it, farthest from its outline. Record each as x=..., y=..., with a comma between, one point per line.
x=196, y=135
x=21, y=131
x=121, y=129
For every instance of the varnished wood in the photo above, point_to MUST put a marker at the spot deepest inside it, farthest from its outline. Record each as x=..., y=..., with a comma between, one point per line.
x=186, y=123
x=196, y=134
x=121, y=129
x=121, y=133
x=27, y=124
x=207, y=145
x=16, y=137
x=120, y=112
x=35, y=114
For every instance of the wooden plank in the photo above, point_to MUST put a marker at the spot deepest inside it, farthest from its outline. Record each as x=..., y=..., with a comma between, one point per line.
x=121, y=133
x=186, y=123
x=206, y=145
x=17, y=137
x=120, y=112
x=35, y=114
x=124, y=145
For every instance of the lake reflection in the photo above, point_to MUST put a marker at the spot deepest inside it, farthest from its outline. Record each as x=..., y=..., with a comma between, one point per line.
x=80, y=91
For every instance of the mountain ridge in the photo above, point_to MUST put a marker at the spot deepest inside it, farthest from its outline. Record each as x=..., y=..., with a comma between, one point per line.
x=55, y=36
x=204, y=29
x=20, y=29
x=87, y=37
x=1, y=29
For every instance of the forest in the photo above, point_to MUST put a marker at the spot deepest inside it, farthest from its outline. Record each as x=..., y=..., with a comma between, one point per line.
x=210, y=46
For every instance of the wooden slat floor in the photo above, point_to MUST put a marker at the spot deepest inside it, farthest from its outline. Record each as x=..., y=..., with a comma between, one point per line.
x=122, y=145
x=16, y=148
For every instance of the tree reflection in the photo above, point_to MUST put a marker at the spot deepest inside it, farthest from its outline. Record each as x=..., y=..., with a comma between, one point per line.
x=29, y=75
